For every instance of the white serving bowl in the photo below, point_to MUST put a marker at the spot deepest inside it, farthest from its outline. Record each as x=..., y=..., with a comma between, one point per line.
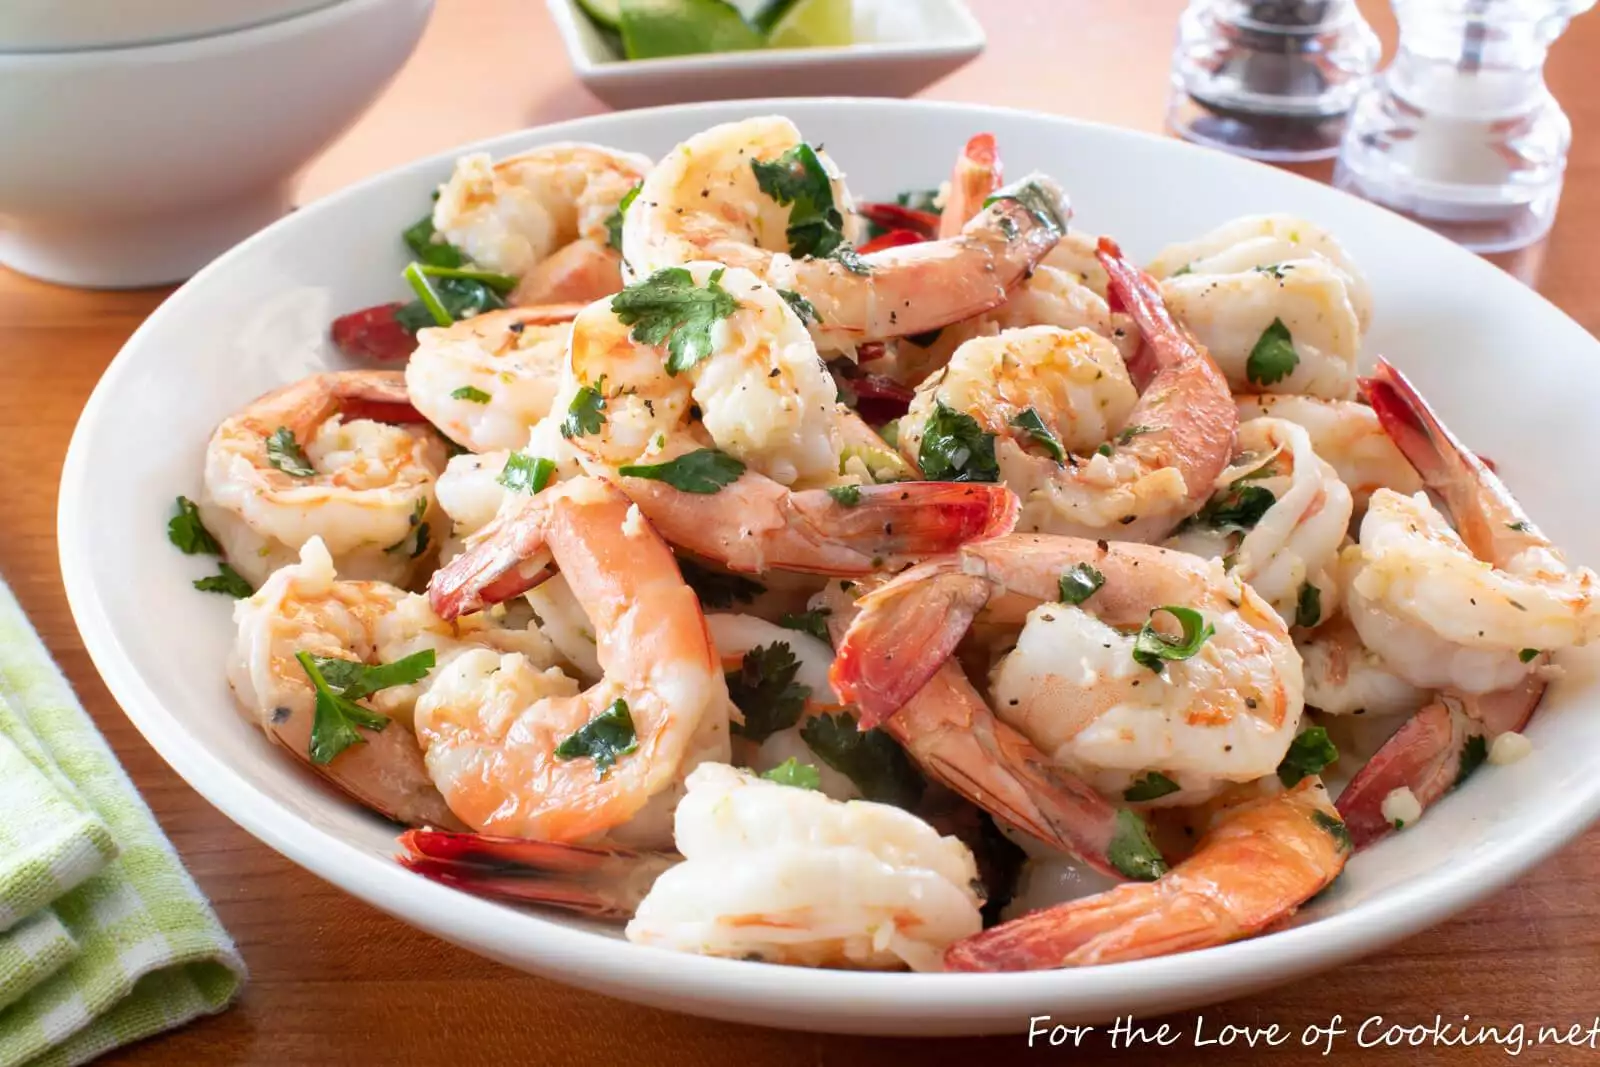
x=900, y=47
x=136, y=166
x=1511, y=373
x=65, y=25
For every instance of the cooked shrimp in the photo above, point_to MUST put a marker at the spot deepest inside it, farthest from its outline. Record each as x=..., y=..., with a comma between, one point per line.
x=1260, y=241
x=1347, y=435
x=705, y=201
x=949, y=731
x=1173, y=442
x=1080, y=682
x=486, y=381
x=1277, y=522
x=768, y=405
x=1345, y=677
x=771, y=872
x=1283, y=328
x=788, y=875
x=1260, y=861
x=978, y=175
x=342, y=456
x=1468, y=608
x=541, y=216
x=518, y=751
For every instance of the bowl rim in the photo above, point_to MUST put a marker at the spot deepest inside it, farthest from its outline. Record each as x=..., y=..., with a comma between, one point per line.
x=970, y=42
x=853, y=1000
x=178, y=49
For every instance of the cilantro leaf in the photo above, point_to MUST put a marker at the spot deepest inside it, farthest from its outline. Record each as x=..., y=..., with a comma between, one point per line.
x=847, y=495
x=1152, y=786
x=604, y=739
x=188, y=533
x=428, y=247
x=850, y=260
x=226, y=580
x=339, y=683
x=804, y=310
x=419, y=530
x=471, y=393
x=705, y=470
x=1273, y=358
x=792, y=772
x=1528, y=655
x=814, y=623
x=669, y=308
x=1152, y=648
x=526, y=474
x=614, y=220
x=1029, y=422
x=1335, y=828
x=1308, y=606
x=717, y=589
x=1308, y=754
x=448, y=295
x=284, y=452
x=585, y=415
x=1035, y=200
x=1239, y=509
x=764, y=689
x=798, y=179
x=872, y=760
x=956, y=449
x=1080, y=583
x=1132, y=852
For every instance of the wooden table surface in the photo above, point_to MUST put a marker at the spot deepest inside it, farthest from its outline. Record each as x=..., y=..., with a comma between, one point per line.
x=335, y=981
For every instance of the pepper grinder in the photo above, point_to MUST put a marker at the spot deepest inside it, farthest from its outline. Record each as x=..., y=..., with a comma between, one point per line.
x=1460, y=132
x=1269, y=79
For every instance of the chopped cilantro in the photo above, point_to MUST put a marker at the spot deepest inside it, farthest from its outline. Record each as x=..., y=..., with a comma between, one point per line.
x=339, y=683
x=614, y=220
x=1132, y=852
x=1080, y=583
x=526, y=474
x=803, y=308
x=1273, y=358
x=792, y=772
x=669, y=308
x=1152, y=786
x=428, y=247
x=586, y=413
x=716, y=589
x=1528, y=655
x=284, y=452
x=798, y=179
x=1308, y=606
x=1035, y=200
x=814, y=623
x=705, y=470
x=1309, y=753
x=188, y=533
x=764, y=689
x=872, y=760
x=1029, y=422
x=1473, y=755
x=471, y=393
x=848, y=495
x=956, y=449
x=604, y=739
x=1335, y=828
x=226, y=580
x=1152, y=648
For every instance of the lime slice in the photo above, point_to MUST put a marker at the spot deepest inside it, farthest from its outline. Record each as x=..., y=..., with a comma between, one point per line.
x=809, y=23
x=654, y=28
x=607, y=13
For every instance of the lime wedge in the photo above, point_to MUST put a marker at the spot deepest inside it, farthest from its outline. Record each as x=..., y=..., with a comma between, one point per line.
x=654, y=28
x=809, y=23
x=607, y=13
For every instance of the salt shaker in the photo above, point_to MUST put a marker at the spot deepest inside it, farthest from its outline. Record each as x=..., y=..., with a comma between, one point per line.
x=1269, y=79
x=1460, y=132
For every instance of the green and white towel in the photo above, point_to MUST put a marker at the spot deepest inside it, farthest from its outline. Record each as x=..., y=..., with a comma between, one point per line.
x=104, y=938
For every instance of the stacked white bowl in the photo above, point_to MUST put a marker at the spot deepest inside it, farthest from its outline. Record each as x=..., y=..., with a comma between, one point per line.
x=139, y=140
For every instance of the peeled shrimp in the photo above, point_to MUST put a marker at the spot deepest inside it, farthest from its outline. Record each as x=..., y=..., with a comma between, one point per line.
x=1284, y=328
x=1260, y=861
x=1288, y=550
x=1345, y=434
x=1260, y=241
x=1345, y=677
x=485, y=381
x=703, y=203
x=764, y=399
x=788, y=875
x=541, y=216
x=771, y=872
x=1457, y=607
x=1173, y=442
x=1072, y=684
x=304, y=607
x=492, y=727
x=342, y=456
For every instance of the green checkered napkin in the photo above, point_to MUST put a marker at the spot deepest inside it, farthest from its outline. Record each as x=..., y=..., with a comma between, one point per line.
x=104, y=938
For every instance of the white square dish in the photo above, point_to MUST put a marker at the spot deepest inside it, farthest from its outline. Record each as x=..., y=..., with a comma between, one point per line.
x=900, y=48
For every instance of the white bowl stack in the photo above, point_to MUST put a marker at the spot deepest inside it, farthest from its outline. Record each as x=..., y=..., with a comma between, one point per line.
x=142, y=139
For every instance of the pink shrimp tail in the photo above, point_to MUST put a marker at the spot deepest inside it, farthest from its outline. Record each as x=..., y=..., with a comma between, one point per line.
x=1138, y=294
x=903, y=634
x=1411, y=424
x=982, y=150
x=494, y=566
